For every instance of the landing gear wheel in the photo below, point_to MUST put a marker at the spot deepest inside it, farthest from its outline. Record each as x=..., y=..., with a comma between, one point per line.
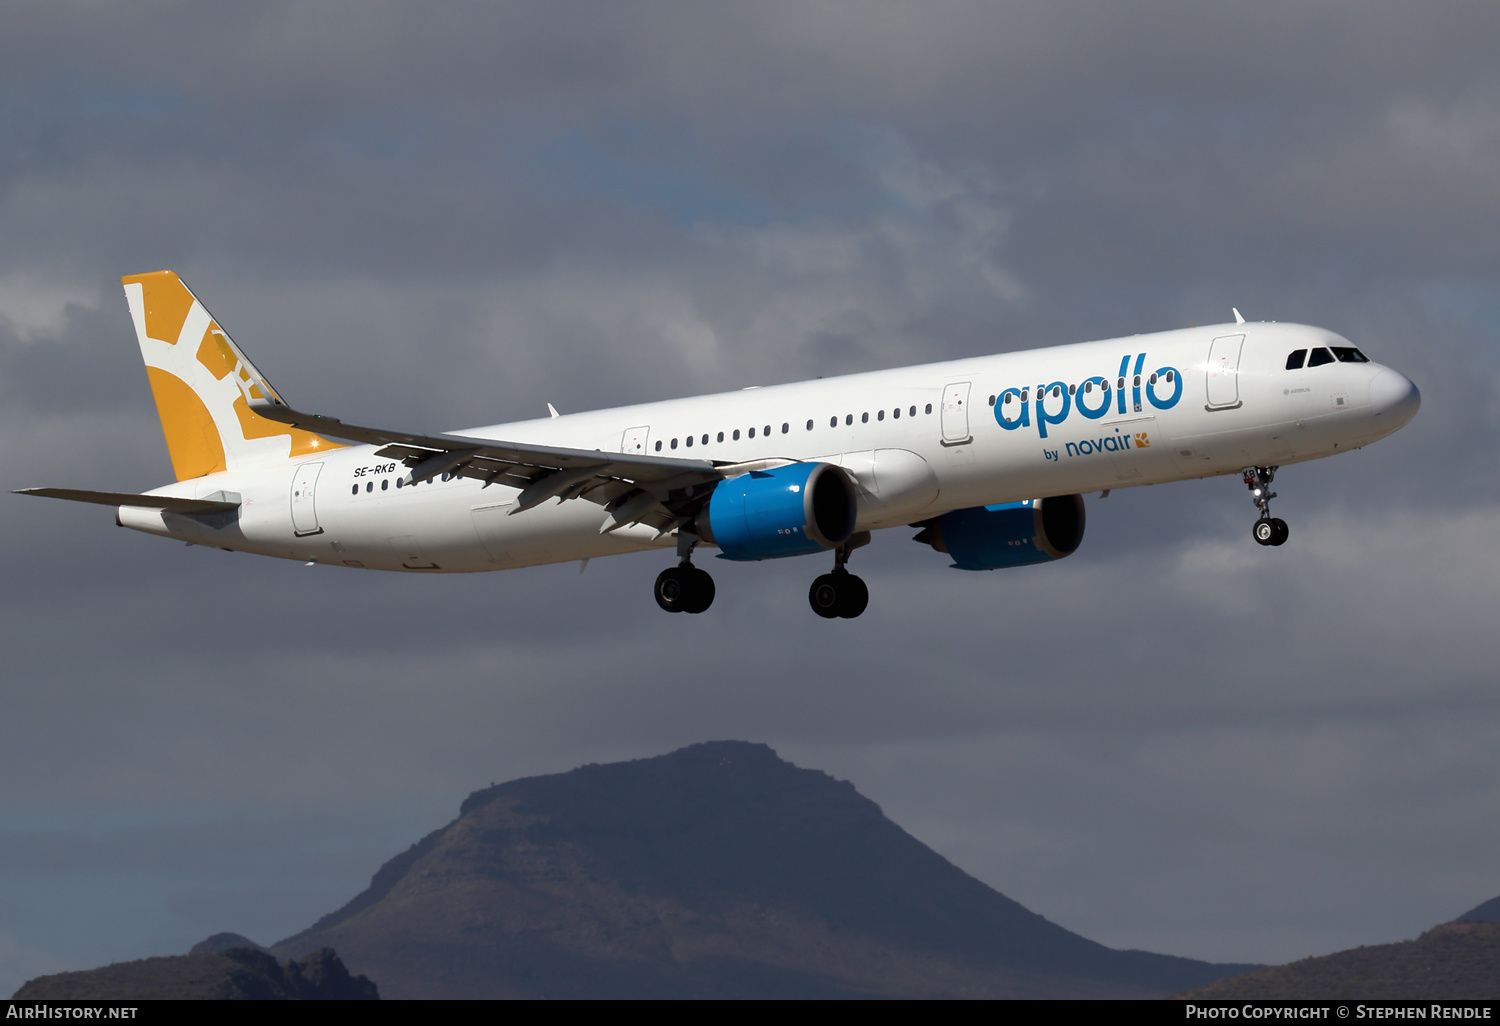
x=854, y=596
x=672, y=589
x=700, y=589
x=684, y=589
x=1268, y=530
x=1264, y=531
x=823, y=596
x=839, y=594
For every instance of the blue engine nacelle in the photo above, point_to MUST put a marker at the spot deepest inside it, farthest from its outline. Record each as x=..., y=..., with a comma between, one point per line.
x=784, y=511
x=1010, y=534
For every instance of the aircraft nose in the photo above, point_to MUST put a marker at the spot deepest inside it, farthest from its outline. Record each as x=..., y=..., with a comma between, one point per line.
x=1393, y=396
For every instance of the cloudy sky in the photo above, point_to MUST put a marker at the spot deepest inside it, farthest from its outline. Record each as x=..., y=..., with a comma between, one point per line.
x=439, y=215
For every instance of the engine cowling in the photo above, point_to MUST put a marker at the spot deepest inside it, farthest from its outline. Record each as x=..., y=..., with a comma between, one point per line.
x=785, y=511
x=1009, y=534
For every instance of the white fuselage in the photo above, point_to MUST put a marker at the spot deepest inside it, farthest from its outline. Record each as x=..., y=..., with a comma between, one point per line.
x=1224, y=405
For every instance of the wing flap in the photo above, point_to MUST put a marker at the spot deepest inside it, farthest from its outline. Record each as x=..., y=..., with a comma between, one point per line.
x=540, y=472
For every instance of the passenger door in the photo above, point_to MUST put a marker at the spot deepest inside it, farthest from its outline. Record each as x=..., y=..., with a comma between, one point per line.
x=304, y=511
x=1224, y=372
x=956, y=414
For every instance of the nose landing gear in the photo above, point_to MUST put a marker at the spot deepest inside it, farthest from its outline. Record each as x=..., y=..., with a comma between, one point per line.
x=684, y=588
x=840, y=594
x=1267, y=530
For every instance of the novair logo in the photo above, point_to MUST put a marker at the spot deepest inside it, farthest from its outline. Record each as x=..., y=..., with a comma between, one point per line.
x=1092, y=398
x=1108, y=443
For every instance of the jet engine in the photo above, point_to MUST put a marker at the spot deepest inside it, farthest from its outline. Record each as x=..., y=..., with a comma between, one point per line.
x=1010, y=534
x=785, y=511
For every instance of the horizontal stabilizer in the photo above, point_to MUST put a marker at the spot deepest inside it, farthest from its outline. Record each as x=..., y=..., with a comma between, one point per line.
x=171, y=502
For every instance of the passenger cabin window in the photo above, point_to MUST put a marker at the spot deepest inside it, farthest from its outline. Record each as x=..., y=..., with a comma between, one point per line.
x=736, y=437
x=1319, y=357
x=1296, y=360
x=720, y=437
x=658, y=445
x=1348, y=354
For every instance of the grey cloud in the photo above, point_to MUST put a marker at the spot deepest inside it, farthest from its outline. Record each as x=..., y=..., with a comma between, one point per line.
x=446, y=216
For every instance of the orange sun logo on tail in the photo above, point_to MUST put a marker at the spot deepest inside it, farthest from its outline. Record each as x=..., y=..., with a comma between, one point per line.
x=203, y=385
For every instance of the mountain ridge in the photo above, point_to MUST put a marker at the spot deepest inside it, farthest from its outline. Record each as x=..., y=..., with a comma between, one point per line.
x=715, y=870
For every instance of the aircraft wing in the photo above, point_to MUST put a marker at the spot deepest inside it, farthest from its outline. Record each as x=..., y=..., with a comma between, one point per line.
x=658, y=491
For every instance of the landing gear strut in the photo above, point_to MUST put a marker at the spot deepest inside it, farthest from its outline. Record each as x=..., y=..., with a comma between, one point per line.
x=684, y=588
x=1268, y=530
x=841, y=594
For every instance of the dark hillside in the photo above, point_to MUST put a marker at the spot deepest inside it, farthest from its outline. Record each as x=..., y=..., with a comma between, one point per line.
x=717, y=870
x=216, y=975
x=1454, y=961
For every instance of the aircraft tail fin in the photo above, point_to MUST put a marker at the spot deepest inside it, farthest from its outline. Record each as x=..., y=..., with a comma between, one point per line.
x=204, y=385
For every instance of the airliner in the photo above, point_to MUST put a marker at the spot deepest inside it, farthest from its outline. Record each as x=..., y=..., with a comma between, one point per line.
x=987, y=457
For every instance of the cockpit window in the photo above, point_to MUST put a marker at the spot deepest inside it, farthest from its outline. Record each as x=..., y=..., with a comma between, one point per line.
x=1294, y=362
x=1319, y=358
x=1348, y=354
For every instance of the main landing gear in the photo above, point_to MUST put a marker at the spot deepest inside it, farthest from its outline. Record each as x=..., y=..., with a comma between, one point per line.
x=684, y=588
x=841, y=594
x=1268, y=530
